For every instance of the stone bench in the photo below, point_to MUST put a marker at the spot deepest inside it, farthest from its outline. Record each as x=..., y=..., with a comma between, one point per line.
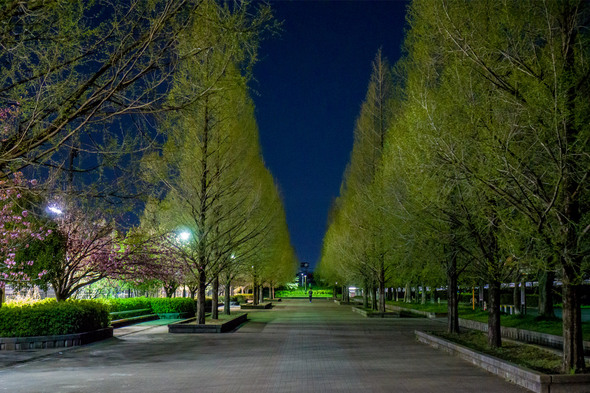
x=146, y=315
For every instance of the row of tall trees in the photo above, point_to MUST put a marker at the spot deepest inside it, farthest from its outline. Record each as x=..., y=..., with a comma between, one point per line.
x=214, y=183
x=485, y=161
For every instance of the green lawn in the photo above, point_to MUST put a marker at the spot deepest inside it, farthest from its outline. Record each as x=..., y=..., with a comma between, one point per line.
x=303, y=293
x=525, y=355
x=525, y=322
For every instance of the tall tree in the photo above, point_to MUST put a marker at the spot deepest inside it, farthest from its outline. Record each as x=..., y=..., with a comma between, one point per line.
x=362, y=193
x=522, y=81
x=207, y=162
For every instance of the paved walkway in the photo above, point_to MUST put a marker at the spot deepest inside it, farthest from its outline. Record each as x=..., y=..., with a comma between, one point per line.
x=296, y=347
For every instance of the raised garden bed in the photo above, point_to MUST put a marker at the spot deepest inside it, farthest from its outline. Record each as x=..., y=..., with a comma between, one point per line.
x=260, y=306
x=223, y=326
x=57, y=341
x=527, y=378
x=375, y=314
x=527, y=336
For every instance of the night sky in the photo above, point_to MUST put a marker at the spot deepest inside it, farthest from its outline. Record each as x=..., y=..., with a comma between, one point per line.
x=310, y=83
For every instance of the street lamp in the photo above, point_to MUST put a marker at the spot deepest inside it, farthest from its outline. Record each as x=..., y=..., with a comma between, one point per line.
x=54, y=209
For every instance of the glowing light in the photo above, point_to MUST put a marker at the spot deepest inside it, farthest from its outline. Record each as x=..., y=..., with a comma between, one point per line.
x=55, y=209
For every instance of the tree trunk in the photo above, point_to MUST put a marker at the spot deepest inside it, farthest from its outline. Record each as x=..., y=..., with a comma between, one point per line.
x=201, y=297
x=261, y=294
x=255, y=291
x=373, y=297
x=546, y=294
x=215, y=298
x=452, y=304
x=382, y=293
x=1, y=296
x=482, y=294
x=366, y=297
x=226, y=302
x=573, y=350
x=407, y=294
x=61, y=296
x=522, y=307
x=494, y=329
x=345, y=294
x=432, y=295
x=572, y=211
x=516, y=298
x=423, y=294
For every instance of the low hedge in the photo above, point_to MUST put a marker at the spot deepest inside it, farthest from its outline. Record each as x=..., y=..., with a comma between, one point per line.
x=304, y=293
x=180, y=305
x=242, y=298
x=156, y=305
x=49, y=317
x=132, y=303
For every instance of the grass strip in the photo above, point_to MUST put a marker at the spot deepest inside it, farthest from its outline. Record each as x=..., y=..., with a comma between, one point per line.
x=525, y=322
x=530, y=356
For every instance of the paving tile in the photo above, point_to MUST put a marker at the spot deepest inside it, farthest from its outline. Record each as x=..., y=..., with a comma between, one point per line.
x=296, y=347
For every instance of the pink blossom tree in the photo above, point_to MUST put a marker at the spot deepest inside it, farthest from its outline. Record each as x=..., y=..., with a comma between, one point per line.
x=148, y=257
x=17, y=231
x=89, y=252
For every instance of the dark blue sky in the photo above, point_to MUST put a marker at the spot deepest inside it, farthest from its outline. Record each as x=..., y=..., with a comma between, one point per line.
x=310, y=83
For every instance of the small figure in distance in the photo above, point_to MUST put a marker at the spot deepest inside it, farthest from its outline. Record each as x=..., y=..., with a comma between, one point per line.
x=310, y=294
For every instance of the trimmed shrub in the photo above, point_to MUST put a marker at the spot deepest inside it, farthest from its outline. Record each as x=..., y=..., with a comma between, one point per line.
x=49, y=317
x=242, y=298
x=180, y=305
x=132, y=303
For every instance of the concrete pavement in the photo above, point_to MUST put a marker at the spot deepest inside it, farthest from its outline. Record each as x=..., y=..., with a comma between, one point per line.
x=295, y=347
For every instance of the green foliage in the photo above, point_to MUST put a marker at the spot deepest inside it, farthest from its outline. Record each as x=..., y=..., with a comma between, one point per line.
x=180, y=305
x=242, y=298
x=50, y=317
x=132, y=303
x=156, y=305
x=46, y=255
x=303, y=293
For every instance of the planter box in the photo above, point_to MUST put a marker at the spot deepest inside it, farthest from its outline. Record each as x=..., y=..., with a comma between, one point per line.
x=529, y=379
x=261, y=306
x=527, y=336
x=59, y=341
x=375, y=314
x=426, y=314
x=187, y=327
